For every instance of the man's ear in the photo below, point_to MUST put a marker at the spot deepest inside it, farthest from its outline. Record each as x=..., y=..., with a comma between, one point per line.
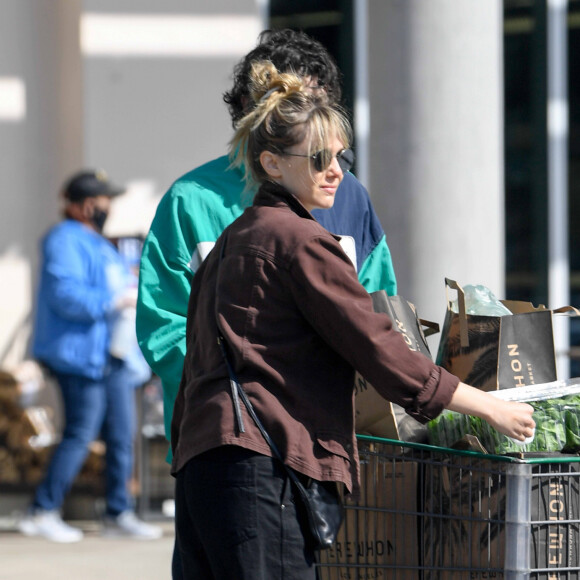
x=87, y=207
x=270, y=163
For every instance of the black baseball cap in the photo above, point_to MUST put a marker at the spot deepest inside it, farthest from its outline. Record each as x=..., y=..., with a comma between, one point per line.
x=90, y=184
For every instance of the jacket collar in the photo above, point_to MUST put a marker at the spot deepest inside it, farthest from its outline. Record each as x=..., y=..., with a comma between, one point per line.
x=273, y=194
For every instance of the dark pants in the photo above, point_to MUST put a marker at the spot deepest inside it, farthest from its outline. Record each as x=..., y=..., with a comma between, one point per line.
x=105, y=407
x=176, y=567
x=235, y=518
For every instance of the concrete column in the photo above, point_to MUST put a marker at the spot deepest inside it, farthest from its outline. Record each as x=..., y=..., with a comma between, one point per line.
x=436, y=146
x=40, y=142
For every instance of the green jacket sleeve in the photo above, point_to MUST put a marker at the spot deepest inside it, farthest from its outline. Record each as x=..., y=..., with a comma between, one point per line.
x=164, y=287
x=377, y=272
x=189, y=218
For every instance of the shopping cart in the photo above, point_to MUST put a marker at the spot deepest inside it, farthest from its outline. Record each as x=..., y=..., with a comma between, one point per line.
x=429, y=513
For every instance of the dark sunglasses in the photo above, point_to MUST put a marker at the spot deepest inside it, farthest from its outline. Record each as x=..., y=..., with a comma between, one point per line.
x=322, y=159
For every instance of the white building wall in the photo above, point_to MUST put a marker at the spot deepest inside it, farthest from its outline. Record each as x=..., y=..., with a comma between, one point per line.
x=154, y=75
x=131, y=98
x=40, y=142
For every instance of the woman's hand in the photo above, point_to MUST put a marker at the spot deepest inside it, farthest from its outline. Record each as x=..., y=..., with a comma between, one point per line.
x=513, y=419
x=510, y=418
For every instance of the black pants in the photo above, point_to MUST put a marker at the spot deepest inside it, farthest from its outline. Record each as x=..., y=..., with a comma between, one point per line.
x=235, y=519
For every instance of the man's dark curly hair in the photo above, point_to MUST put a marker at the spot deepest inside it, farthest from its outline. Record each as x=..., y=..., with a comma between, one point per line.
x=289, y=50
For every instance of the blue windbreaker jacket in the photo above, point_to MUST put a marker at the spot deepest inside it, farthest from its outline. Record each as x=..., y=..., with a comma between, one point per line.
x=75, y=298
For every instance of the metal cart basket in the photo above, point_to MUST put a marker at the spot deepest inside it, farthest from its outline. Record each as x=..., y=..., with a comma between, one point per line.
x=429, y=513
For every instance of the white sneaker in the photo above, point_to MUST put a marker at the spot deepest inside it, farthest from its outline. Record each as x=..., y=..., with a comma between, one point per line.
x=128, y=525
x=49, y=525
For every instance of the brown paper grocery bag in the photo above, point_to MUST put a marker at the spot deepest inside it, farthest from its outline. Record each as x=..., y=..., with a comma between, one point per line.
x=499, y=352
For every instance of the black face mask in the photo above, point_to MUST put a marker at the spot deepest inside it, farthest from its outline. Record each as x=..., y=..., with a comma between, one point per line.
x=99, y=218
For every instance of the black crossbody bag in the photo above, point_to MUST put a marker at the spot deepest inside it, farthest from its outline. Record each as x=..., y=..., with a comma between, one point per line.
x=319, y=501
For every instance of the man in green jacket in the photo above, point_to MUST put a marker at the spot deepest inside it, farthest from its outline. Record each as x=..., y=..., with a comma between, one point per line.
x=200, y=204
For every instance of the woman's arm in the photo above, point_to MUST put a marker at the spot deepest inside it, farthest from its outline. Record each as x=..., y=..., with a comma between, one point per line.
x=510, y=418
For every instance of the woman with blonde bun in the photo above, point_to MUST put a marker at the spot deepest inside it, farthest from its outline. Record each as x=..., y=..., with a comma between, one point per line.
x=285, y=297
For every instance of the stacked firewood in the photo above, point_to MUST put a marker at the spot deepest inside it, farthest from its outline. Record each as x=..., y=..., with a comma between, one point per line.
x=28, y=435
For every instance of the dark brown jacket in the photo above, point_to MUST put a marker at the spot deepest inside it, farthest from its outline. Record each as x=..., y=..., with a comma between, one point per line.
x=298, y=323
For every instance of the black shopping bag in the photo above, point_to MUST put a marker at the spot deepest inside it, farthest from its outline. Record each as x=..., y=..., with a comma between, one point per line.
x=374, y=415
x=406, y=320
x=499, y=352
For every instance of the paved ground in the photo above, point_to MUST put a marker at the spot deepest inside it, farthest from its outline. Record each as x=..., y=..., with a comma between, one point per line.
x=23, y=558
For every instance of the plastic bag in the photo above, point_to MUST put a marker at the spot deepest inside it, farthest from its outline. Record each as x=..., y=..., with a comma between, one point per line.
x=556, y=412
x=481, y=301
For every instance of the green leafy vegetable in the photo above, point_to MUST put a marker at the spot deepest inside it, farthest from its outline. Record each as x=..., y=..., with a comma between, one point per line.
x=557, y=428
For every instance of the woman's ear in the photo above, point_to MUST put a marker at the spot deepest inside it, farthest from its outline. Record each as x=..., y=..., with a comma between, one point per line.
x=270, y=163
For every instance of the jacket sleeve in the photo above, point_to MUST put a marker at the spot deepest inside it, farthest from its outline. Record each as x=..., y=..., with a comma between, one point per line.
x=67, y=286
x=375, y=264
x=329, y=295
x=164, y=287
x=377, y=272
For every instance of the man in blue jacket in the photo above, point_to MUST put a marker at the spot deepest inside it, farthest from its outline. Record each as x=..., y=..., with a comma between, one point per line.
x=201, y=203
x=83, y=287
